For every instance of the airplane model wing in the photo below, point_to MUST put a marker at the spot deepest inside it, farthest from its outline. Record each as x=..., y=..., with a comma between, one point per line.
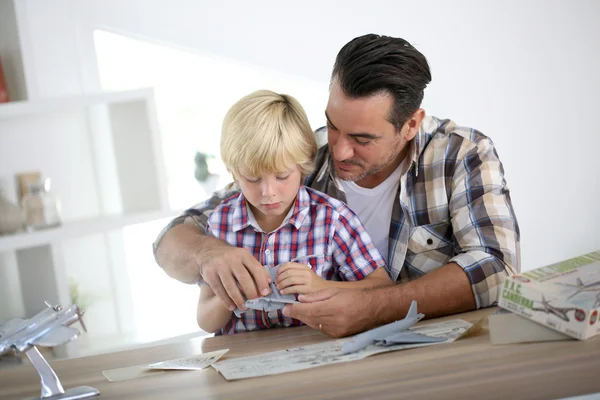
x=11, y=326
x=381, y=333
x=6, y=330
x=56, y=337
x=407, y=338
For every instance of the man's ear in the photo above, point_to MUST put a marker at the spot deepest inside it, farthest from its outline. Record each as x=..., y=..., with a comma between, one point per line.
x=414, y=123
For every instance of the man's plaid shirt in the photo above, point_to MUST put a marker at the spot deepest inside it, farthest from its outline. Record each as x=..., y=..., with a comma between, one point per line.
x=453, y=205
x=316, y=225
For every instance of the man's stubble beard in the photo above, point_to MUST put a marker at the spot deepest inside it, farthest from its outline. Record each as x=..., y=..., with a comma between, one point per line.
x=372, y=171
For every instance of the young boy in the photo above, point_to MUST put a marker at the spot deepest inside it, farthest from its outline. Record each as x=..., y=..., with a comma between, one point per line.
x=268, y=146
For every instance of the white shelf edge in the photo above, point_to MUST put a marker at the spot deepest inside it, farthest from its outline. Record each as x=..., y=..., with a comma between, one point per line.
x=22, y=108
x=77, y=228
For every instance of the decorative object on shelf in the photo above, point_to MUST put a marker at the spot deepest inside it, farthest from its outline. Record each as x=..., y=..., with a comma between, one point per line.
x=49, y=328
x=77, y=297
x=11, y=217
x=24, y=179
x=3, y=87
x=202, y=172
x=41, y=208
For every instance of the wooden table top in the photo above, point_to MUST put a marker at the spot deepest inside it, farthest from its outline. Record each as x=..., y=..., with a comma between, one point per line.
x=468, y=368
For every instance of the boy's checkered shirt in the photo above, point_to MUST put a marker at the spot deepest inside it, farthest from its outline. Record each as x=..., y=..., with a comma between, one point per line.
x=316, y=224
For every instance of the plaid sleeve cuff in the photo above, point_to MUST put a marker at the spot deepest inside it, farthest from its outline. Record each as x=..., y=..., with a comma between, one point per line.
x=486, y=275
x=361, y=267
x=356, y=253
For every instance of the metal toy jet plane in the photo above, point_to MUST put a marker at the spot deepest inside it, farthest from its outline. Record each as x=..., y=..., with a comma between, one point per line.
x=560, y=312
x=581, y=287
x=275, y=300
x=393, y=333
x=48, y=328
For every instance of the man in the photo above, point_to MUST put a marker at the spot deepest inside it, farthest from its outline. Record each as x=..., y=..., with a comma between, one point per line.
x=432, y=196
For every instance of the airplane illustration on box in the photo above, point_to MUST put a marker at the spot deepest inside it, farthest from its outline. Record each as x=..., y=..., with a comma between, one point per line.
x=580, y=287
x=560, y=312
x=49, y=328
x=569, y=285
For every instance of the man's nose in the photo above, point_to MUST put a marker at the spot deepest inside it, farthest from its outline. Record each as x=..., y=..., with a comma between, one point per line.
x=342, y=150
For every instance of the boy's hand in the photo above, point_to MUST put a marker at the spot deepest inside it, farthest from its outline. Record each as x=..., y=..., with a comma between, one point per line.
x=298, y=278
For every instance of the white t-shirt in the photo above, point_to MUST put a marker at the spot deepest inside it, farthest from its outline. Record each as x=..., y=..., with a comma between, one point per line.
x=374, y=207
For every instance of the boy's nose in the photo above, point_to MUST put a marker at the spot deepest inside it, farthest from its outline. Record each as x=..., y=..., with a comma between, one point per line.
x=267, y=189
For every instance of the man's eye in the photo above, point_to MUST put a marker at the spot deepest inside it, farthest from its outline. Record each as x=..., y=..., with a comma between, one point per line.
x=363, y=142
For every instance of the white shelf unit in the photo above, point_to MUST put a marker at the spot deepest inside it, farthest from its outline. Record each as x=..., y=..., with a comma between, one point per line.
x=104, y=157
x=73, y=229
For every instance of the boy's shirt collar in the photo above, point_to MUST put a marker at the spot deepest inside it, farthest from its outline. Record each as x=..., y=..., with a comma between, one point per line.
x=243, y=216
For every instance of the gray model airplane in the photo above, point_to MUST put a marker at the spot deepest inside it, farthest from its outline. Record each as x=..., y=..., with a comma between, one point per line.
x=560, y=312
x=390, y=334
x=48, y=328
x=275, y=300
x=581, y=287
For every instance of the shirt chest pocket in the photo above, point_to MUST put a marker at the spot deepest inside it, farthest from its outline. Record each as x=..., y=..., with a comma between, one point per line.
x=430, y=237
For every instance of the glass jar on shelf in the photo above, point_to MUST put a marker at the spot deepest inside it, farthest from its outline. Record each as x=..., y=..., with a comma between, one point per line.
x=41, y=208
x=11, y=217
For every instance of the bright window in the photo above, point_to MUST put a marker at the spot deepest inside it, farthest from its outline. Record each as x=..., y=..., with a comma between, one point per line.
x=193, y=93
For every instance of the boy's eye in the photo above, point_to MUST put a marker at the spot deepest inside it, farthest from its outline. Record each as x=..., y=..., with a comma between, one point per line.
x=253, y=180
x=283, y=178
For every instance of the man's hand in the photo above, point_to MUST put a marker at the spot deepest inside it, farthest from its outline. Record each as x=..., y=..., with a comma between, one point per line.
x=298, y=278
x=233, y=274
x=337, y=312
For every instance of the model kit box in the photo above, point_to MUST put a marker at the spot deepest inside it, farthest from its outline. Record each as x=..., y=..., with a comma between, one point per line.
x=564, y=296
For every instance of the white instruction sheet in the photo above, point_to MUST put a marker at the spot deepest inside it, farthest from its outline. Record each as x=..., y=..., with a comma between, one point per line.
x=199, y=361
x=316, y=355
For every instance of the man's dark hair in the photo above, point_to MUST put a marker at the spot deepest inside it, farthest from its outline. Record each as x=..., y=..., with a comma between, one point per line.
x=374, y=64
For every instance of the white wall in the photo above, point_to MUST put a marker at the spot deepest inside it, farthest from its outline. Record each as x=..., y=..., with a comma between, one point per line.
x=523, y=72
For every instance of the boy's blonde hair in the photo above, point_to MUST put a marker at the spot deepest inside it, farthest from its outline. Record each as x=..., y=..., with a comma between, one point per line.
x=267, y=132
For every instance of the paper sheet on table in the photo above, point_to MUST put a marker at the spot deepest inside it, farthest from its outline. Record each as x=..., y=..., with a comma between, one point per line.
x=325, y=353
x=126, y=373
x=196, y=362
x=199, y=361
